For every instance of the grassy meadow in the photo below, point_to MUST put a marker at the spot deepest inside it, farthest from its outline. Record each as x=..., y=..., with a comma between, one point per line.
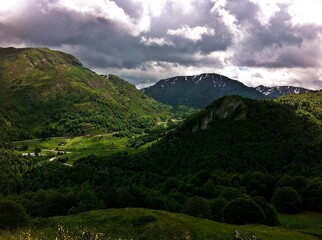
x=137, y=223
x=77, y=147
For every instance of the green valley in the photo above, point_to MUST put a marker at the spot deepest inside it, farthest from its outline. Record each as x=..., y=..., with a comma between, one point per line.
x=105, y=161
x=69, y=149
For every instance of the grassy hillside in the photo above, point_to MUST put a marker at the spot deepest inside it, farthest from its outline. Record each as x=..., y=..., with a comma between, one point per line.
x=49, y=93
x=151, y=224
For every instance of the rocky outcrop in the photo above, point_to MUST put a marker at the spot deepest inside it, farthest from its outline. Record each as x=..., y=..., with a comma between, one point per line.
x=231, y=107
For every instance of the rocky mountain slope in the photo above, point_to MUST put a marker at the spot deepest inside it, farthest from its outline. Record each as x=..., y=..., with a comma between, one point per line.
x=199, y=90
x=278, y=91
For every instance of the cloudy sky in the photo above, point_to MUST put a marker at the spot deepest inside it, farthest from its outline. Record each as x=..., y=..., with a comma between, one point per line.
x=270, y=42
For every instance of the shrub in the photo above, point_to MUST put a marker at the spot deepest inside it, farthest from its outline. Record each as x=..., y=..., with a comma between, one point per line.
x=313, y=195
x=230, y=193
x=12, y=215
x=197, y=207
x=269, y=211
x=217, y=206
x=298, y=183
x=141, y=220
x=286, y=200
x=243, y=211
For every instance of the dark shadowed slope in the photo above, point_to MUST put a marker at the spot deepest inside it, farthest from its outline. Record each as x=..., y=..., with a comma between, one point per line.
x=199, y=90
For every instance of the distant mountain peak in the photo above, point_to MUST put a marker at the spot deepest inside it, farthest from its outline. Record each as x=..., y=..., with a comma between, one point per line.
x=279, y=91
x=198, y=90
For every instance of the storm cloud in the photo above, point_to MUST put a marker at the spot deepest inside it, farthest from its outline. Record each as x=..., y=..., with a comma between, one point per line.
x=255, y=41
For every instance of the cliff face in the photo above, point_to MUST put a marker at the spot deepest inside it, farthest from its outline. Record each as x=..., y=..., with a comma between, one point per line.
x=231, y=107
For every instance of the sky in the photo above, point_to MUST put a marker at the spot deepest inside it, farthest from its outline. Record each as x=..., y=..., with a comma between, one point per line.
x=268, y=42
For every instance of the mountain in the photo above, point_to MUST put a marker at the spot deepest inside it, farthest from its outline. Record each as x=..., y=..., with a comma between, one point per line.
x=239, y=134
x=278, y=91
x=199, y=90
x=50, y=93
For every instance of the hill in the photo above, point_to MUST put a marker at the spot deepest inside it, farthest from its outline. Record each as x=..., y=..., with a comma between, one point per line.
x=278, y=91
x=135, y=223
x=49, y=93
x=198, y=91
x=241, y=135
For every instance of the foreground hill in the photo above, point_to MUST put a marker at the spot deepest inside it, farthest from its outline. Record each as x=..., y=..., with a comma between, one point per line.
x=138, y=223
x=49, y=93
x=275, y=92
x=199, y=90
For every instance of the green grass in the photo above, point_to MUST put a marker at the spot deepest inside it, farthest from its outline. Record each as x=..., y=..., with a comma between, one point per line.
x=129, y=223
x=306, y=222
x=77, y=147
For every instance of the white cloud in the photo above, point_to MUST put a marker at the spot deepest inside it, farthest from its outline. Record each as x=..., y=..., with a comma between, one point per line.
x=268, y=9
x=304, y=12
x=9, y=9
x=229, y=20
x=194, y=34
x=106, y=9
x=156, y=41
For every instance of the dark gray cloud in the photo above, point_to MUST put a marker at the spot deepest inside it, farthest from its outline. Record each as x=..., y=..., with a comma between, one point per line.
x=136, y=38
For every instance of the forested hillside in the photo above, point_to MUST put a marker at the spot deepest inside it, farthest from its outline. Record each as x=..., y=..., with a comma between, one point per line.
x=49, y=93
x=231, y=162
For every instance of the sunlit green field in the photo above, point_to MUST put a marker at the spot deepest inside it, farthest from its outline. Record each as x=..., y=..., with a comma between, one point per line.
x=77, y=147
x=129, y=223
x=307, y=222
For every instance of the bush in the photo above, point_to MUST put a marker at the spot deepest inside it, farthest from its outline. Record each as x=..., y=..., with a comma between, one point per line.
x=139, y=221
x=243, y=211
x=269, y=211
x=313, y=195
x=298, y=183
x=230, y=193
x=197, y=207
x=287, y=200
x=12, y=215
x=217, y=206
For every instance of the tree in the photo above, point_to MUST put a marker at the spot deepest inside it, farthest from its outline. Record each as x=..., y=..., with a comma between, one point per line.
x=37, y=151
x=298, y=183
x=269, y=211
x=243, y=211
x=286, y=200
x=197, y=207
x=12, y=214
x=217, y=206
x=313, y=195
x=230, y=193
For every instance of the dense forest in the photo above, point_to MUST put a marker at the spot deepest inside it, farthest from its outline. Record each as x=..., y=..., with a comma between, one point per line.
x=237, y=161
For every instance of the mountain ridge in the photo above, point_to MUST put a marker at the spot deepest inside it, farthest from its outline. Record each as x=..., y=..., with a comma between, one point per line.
x=198, y=90
x=278, y=91
x=50, y=93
